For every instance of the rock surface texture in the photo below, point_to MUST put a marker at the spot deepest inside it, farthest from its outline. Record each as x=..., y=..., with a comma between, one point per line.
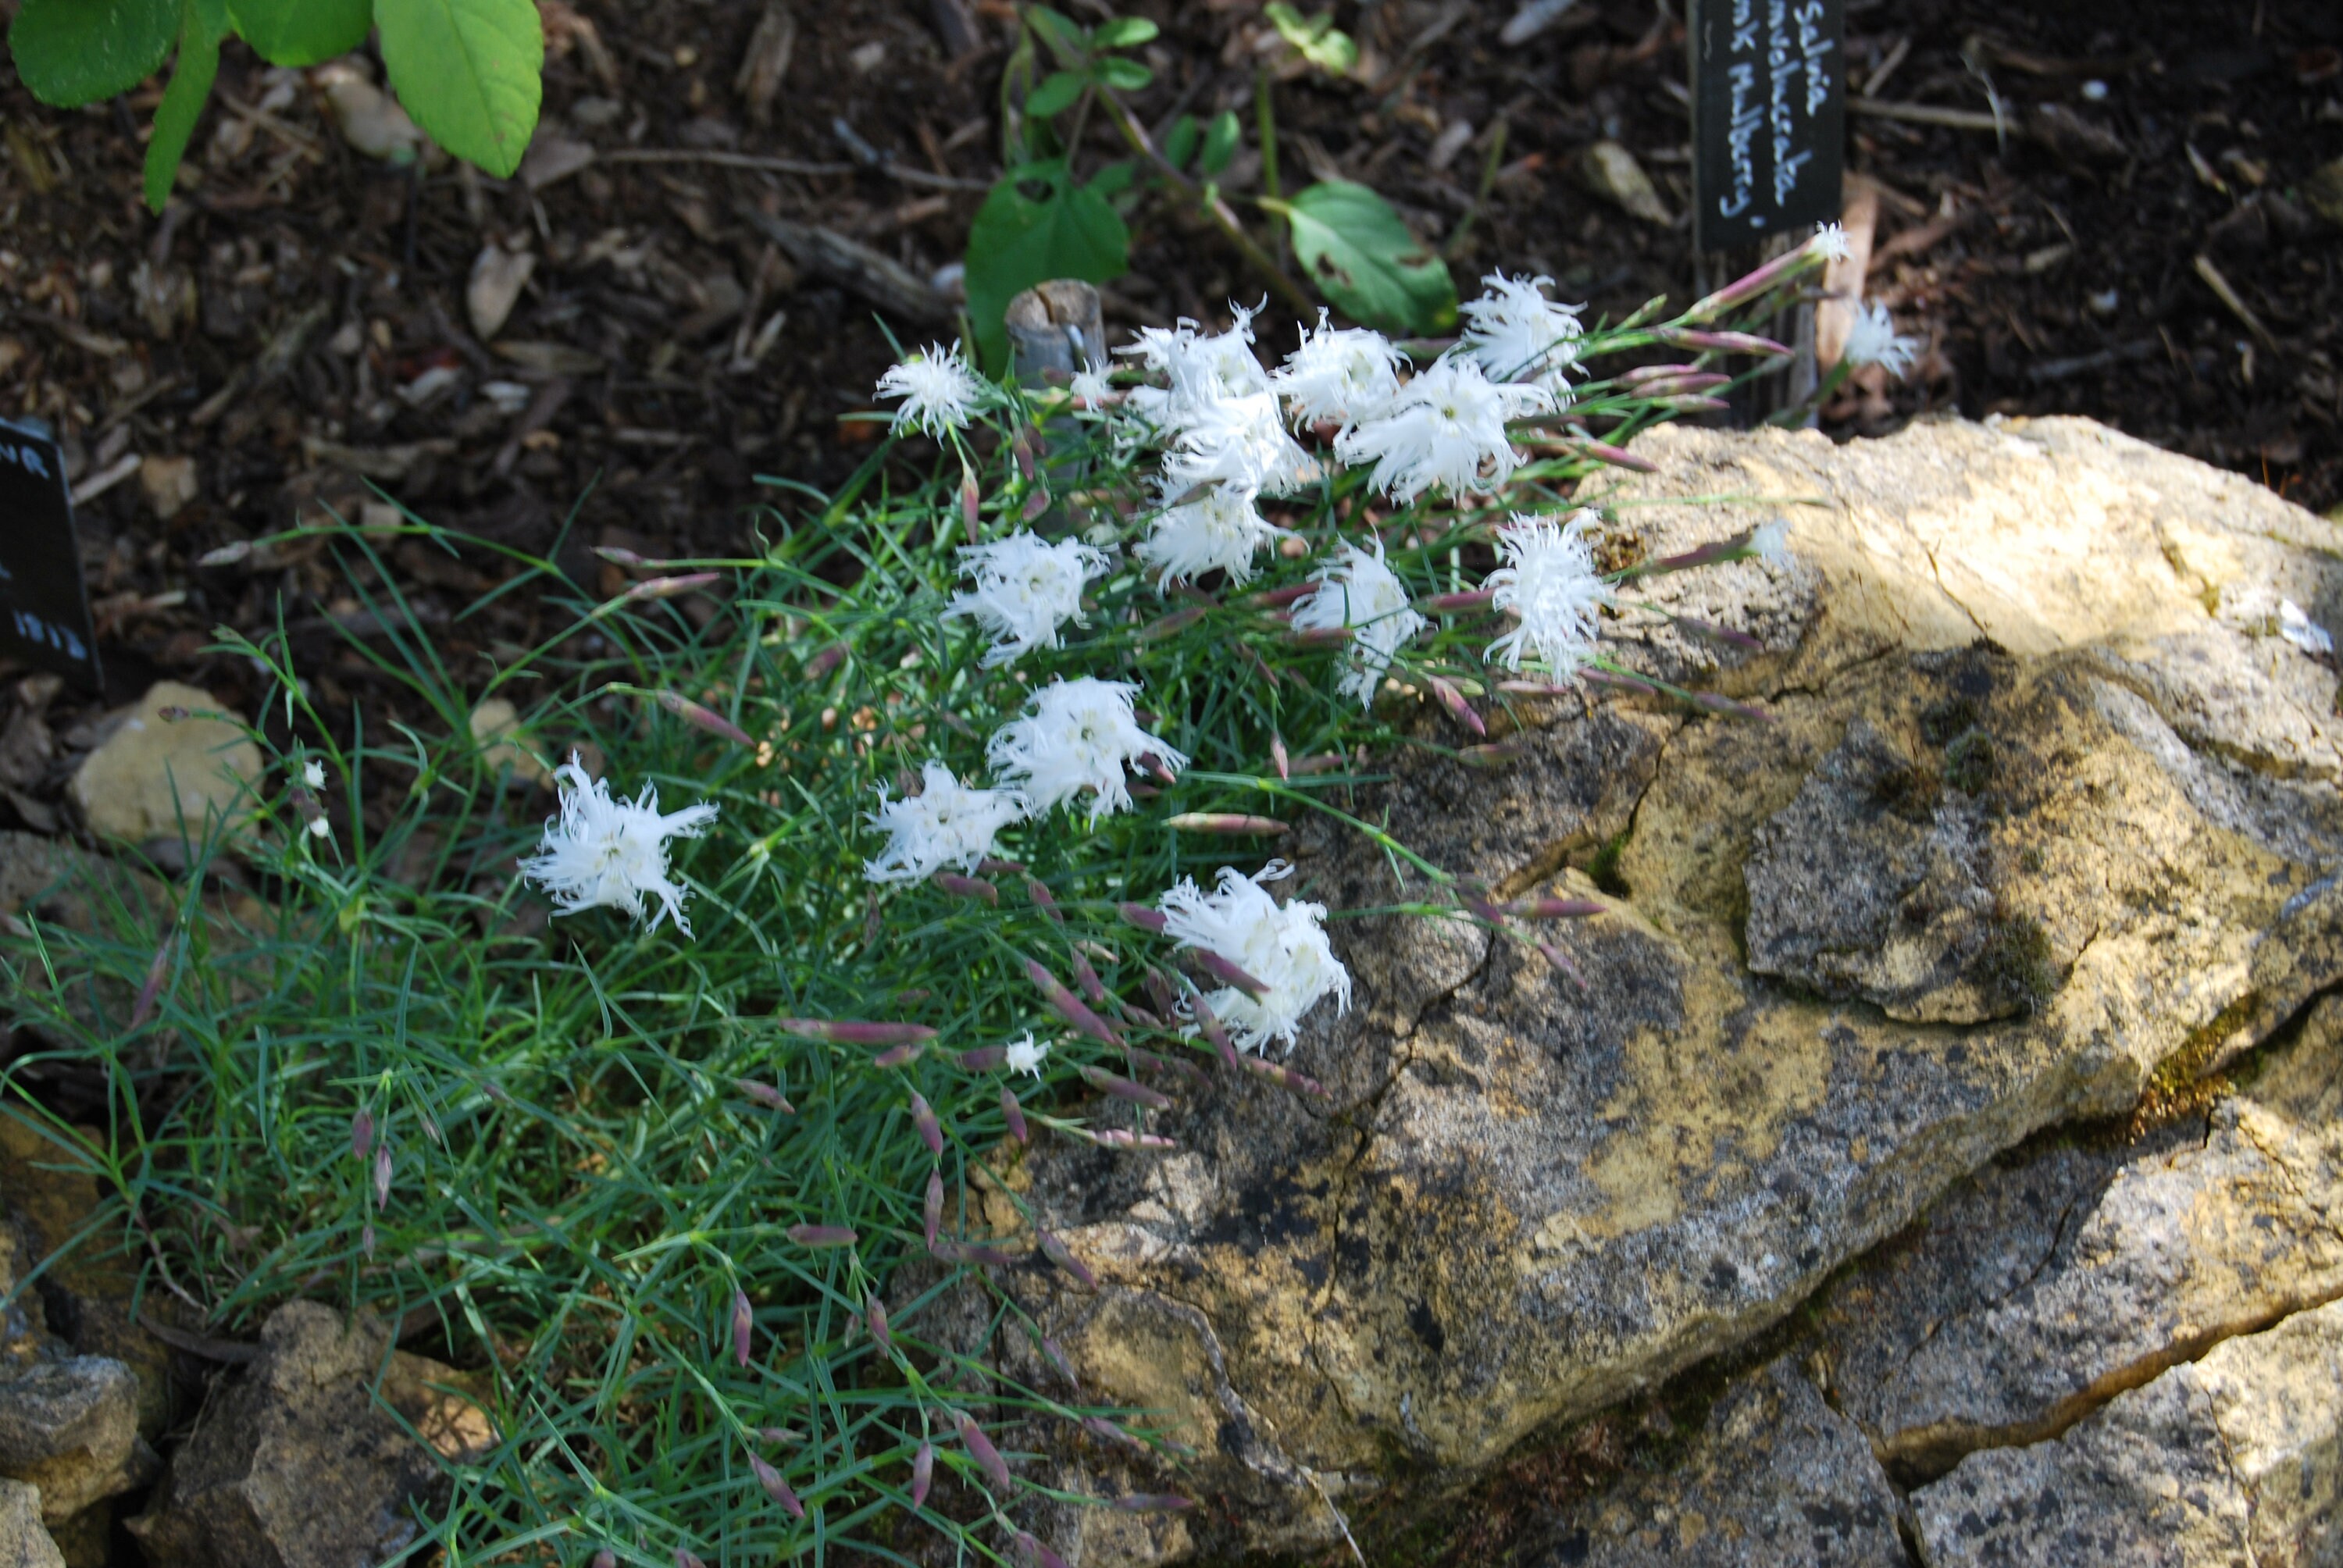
x=156, y=777
x=294, y=1464
x=23, y=1543
x=2048, y=816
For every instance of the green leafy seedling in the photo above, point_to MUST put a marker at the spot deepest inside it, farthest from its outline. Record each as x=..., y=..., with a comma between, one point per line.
x=1357, y=251
x=1316, y=39
x=1219, y=144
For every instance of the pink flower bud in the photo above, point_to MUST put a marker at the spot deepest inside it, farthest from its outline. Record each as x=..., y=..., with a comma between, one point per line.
x=604, y=1558
x=1720, y=342
x=975, y=887
x=874, y=1315
x=826, y=660
x=1464, y=603
x=1643, y=373
x=1070, y=1007
x=1099, y=1427
x=932, y=1131
x=1035, y=504
x=1151, y=1502
x=1227, y=973
x=1555, y=908
x=362, y=1134
x=157, y=969
x=899, y=1056
x=1107, y=1082
x=382, y=1175
x=1219, y=1036
x=764, y=1094
x=1227, y=822
x=366, y=1238
x=1616, y=457
x=923, y=1472
x=780, y=1434
x=684, y=1559
x=970, y=501
x=822, y=1235
x=1716, y=633
x=1458, y=708
x=1040, y=1556
x=1286, y=1077
x=1614, y=679
x=1320, y=637
x=853, y=1032
x=670, y=587
x=1695, y=405
x=1278, y=758
x=983, y=1058
x=1087, y=977
x=931, y=1212
x=743, y=1319
x=1535, y=689
x=1714, y=703
x=700, y=717
x=1750, y=285
x=1056, y=1250
x=1056, y=1353
x=619, y=555
x=980, y=1448
x=1171, y=624
x=1158, y=984
x=1496, y=755
x=1144, y=918
x=1014, y=1114
x=775, y=1487
x=1562, y=960
x=1043, y=899
x=1123, y=1137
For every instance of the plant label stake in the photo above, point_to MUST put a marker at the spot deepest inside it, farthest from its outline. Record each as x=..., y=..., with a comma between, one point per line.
x=1769, y=117
x=44, y=606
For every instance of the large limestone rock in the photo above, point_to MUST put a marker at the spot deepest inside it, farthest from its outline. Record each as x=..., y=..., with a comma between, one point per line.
x=295, y=1464
x=158, y=777
x=2048, y=809
x=70, y=1427
x=2235, y=1459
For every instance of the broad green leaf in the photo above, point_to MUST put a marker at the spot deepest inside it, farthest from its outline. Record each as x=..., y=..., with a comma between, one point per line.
x=1219, y=144
x=1037, y=224
x=1125, y=33
x=201, y=27
x=1123, y=76
x=301, y=31
x=1321, y=44
x=75, y=52
x=1055, y=95
x=1358, y=252
x=468, y=71
x=1180, y=141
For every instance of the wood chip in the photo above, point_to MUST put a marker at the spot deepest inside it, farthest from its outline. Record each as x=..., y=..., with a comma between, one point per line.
x=766, y=61
x=880, y=279
x=2228, y=296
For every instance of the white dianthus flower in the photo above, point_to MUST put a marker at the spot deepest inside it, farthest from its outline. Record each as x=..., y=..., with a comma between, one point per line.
x=1236, y=439
x=1443, y=430
x=1339, y=376
x=1089, y=385
x=313, y=774
x=1026, y=588
x=946, y=824
x=1873, y=340
x=1221, y=527
x=1516, y=334
x=1829, y=241
x=1080, y=735
x=1025, y=1055
x=1284, y=948
x=939, y=390
x=1549, y=584
x=320, y=828
x=604, y=851
x=1359, y=592
x=1201, y=367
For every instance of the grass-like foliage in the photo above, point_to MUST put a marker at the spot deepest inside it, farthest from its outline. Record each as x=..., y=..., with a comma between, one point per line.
x=678, y=1214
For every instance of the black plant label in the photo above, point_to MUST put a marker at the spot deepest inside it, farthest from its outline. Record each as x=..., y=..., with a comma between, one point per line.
x=43, y=605
x=1769, y=117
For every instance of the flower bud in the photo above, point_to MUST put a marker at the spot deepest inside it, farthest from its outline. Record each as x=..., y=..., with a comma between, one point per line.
x=1144, y=918
x=366, y=1238
x=1099, y=1427
x=743, y=1319
x=931, y=1212
x=1554, y=909
x=1123, y=1137
x=1278, y=758
x=874, y=1315
x=700, y=717
x=822, y=1235
x=382, y=1175
x=1720, y=342
x=1458, y=708
x=1106, y=1082
x=1070, y=1007
x=1229, y=822
x=1087, y=977
x=1286, y=1077
x=1320, y=637
x=1035, y=504
x=1562, y=960
x=1714, y=703
x=1495, y=756
x=932, y=1131
x=604, y=1558
x=619, y=555
x=923, y=1472
x=1043, y=899
x=1693, y=405
x=1057, y=1252
x=983, y=1058
x=899, y=1056
x=775, y=1487
x=684, y=1559
x=764, y=1094
x=1227, y=973
x=854, y=1031
x=1171, y=624
x=1151, y=1502
x=362, y=1134
x=1057, y=1354
x=825, y=660
x=1716, y=633
x=1158, y=984
x=1535, y=688
x=1014, y=1114
x=970, y=501
x=780, y=1434
x=669, y=587
x=980, y=1448
x=1210, y=1025
x=1613, y=677
x=1616, y=457
x=1464, y=603
x=1750, y=285
x=1040, y=1556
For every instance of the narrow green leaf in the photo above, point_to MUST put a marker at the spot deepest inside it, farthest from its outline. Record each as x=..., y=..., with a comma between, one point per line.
x=1123, y=76
x=1125, y=33
x=201, y=27
x=302, y=32
x=1180, y=141
x=1219, y=144
x=1358, y=252
x=75, y=52
x=1037, y=224
x=468, y=72
x=1055, y=95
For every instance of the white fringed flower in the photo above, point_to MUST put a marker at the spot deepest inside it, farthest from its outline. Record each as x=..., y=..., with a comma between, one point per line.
x=1221, y=527
x=602, y=850
x=1080, y=735
x=946, y=824
x=1359, y=592
x=1873, y=340
x=1446, y=428
x=313, y=774
x=1339, y=376
x=2302, y=631
x=1237, y=440
x=1201, y=367
x=1026, y=588
x=1092, y=390
x=939, y=390
x=1514, y=333
x=1549, y=584
x=1829, y=243
x=1284, y=948
x=1025, y=1055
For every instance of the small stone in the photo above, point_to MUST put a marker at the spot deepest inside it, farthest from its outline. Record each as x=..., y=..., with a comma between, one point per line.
x=496, y=728
x=1613, y=172
x=70, y=1427
x=24, y=1542
x=368, y=118
x=169, y=483
x=497, y=277
x=551, y=159
x=151, y=776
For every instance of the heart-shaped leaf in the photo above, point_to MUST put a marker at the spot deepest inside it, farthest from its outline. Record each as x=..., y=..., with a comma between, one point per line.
x=1362, y=258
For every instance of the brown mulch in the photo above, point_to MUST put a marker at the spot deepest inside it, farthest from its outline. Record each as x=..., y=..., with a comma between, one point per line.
x=296, y=325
